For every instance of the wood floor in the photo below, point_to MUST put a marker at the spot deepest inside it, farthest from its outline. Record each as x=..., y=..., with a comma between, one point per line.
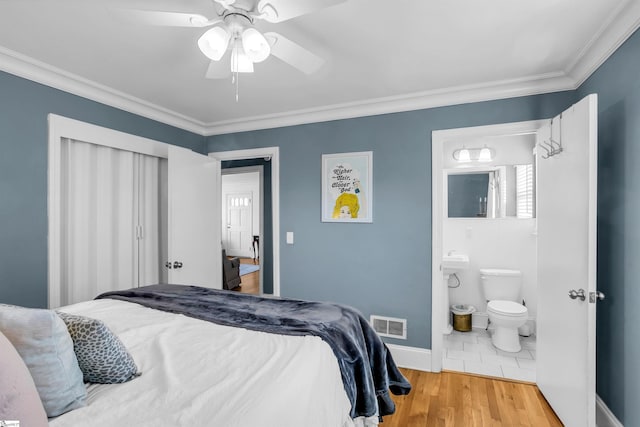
x=453, y=399
x=250, y=283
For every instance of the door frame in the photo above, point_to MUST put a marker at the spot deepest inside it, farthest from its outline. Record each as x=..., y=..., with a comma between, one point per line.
x=63, y=127
x=272, y=153
x=260, y=170
x=438, y=138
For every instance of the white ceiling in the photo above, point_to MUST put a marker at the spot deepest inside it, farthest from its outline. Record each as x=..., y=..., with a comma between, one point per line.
x=381, y=56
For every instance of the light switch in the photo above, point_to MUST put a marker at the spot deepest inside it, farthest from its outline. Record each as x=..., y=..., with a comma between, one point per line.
x=289, y=237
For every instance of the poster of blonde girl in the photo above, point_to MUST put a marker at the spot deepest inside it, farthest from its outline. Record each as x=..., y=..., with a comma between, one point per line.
x=347, y=187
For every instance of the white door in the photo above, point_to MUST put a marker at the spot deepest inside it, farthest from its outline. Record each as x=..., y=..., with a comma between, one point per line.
x=238, y=228
x=566, y=212
x=195, y=256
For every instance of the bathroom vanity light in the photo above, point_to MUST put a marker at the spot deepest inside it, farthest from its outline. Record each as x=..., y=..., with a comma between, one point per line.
x=467, y=155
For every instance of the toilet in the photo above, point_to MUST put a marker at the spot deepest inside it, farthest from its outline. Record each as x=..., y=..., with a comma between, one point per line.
x=502, y=291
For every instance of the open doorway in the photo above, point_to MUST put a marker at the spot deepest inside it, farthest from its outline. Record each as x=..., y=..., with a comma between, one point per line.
x=265, y=247
x=242, y=206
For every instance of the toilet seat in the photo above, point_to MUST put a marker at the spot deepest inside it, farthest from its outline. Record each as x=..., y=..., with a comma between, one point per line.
x=507, y=308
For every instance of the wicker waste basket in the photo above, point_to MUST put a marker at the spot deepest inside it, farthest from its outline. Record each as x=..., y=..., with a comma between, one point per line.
x=462, y=317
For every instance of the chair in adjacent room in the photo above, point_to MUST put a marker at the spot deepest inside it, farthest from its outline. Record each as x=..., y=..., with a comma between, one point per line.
x=230, y=272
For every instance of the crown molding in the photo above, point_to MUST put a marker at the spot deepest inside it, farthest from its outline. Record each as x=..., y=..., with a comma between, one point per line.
x=23, y=66
x=416, y=101
x=622, y=23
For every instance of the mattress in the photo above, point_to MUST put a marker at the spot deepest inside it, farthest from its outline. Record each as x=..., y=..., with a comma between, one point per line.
x=196, y=373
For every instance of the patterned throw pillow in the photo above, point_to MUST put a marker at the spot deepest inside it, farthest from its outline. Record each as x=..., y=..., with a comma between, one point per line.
x=101, y=355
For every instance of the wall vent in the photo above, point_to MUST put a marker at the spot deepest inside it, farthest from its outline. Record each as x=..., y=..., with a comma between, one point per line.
x=389, y=326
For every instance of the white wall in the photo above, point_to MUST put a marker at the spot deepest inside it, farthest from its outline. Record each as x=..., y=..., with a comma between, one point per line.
x=506, y=243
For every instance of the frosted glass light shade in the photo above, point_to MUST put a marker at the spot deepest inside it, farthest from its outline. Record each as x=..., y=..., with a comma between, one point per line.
x=463, y=156
x=214, y=43
x=485, y=155
x=240, y=62
x=255, y=45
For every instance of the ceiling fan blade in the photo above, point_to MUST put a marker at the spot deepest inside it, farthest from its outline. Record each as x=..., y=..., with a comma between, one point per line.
x=218, y=70
x=294, y=54
x=165, y=19
x=281, y=10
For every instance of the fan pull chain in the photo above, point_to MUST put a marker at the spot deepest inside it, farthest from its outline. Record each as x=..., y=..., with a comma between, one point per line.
x=237, y=86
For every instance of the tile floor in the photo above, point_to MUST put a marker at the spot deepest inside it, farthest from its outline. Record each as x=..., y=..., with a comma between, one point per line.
x=473, y=352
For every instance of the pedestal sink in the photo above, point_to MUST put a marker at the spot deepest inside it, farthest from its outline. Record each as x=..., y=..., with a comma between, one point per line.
x=452, y=263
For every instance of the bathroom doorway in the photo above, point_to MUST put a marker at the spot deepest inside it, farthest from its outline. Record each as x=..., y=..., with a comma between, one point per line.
x=565, y=240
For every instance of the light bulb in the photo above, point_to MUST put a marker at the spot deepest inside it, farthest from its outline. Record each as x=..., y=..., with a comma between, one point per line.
x=485, y=155
x=463, y=156
x=255, y=45
x=214, y=43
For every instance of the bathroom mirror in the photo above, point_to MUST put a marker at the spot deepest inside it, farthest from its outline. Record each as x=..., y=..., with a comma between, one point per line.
x=494, y=192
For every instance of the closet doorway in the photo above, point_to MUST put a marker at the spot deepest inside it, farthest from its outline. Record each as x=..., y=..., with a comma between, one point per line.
x=191, y=201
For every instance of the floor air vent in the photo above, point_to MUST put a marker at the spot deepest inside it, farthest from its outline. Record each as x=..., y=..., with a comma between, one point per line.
x=389, y=326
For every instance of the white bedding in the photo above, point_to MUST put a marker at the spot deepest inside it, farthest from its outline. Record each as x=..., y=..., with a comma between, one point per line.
x=195, y=373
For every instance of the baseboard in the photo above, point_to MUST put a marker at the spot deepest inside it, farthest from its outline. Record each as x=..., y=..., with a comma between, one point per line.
x=411, y=357
x=604, y=416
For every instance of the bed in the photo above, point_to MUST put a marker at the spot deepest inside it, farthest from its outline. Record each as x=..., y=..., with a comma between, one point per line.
x=243, y=365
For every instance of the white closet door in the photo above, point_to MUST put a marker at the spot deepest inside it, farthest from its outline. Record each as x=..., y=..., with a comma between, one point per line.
x=150, y=186
x=111, y=228
x=98, y=239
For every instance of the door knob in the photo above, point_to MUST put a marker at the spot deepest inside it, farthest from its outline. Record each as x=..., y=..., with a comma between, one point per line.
x=177, y=264
x=595, y=297
x=573, y=294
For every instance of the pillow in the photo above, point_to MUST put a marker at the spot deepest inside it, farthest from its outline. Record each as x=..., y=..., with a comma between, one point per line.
x=19, y=398
x=42, y=340
x=101, y=355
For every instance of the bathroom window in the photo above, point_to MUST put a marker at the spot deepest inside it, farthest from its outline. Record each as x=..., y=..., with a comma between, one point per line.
x=525, y=202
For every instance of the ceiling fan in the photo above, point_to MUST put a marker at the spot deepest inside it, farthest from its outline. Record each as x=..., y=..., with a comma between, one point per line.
x=234, y=31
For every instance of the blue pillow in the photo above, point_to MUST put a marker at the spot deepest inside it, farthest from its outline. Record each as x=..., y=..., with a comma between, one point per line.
x=42, y=340
x=101, y=355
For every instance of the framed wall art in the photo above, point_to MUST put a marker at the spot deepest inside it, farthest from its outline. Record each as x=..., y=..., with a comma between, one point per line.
x=347, y=187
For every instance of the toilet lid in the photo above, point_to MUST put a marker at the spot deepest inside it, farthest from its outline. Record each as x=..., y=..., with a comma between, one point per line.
x=507, y=308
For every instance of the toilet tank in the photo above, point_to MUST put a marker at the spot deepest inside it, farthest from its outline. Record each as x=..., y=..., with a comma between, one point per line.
x=500, y=284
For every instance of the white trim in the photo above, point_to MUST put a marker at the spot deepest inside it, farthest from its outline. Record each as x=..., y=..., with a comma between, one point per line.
x=438, y=138
x=62, y=127
x=274, y=154
x=623, y=23
x=23, y=66
x=416, y=101
x=411, y=357
x=614, y=31
x=604, y=416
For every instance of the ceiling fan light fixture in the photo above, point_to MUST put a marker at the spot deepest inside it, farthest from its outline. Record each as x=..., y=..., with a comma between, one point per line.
x=240, y=62
x=214, y=43
x=255, y=45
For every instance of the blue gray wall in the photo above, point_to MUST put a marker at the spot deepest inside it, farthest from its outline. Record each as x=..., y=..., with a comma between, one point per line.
x=617, y=83
x=384, y=267
x=24, y=106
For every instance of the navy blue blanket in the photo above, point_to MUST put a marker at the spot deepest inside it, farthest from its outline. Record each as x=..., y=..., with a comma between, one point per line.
x=368, y=370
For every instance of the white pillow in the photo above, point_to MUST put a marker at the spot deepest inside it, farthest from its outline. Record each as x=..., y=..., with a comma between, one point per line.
x=19, y=398
x=42, y=340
